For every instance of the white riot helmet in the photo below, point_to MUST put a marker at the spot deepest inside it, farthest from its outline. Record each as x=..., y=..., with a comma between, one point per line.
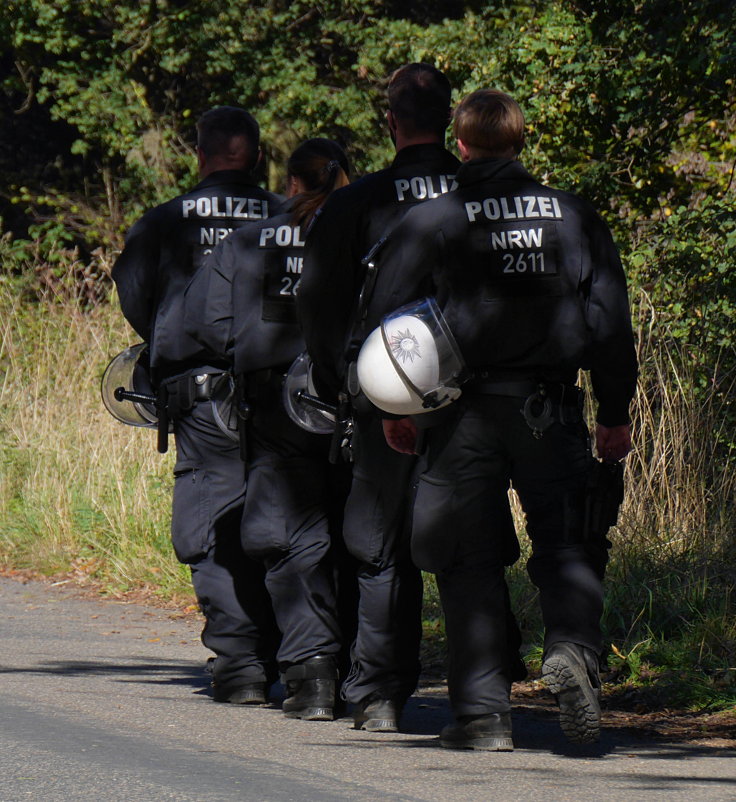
x=411, y=363
x=303, y=411
x=129, y=371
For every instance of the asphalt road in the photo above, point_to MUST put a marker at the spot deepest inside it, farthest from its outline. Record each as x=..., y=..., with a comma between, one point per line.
x=101, y=700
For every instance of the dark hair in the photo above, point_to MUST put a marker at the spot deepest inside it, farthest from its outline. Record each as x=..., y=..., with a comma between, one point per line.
x=323, y=167
x=490, y=121
x=419, y=97
x=217, y=127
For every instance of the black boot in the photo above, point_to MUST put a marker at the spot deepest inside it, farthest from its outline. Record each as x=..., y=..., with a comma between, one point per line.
x=311, y=689
x=250, y=693
x=491, y=733
x=377, y=713
x=570, y=671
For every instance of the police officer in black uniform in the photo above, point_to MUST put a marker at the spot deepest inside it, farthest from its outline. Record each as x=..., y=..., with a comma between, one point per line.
x=385, y=666
x=162, y=251
x=241, y=306
x=533, y=290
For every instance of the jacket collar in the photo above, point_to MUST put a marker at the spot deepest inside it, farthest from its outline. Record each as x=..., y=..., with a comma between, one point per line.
x=485, y=169
x=419, y=153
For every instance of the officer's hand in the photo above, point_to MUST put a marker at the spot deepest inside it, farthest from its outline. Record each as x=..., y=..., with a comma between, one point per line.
x=612, y=443
x=401, y=435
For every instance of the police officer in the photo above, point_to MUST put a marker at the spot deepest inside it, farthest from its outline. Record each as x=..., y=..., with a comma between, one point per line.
x=241, y=306
x=533, y=290
x=385, y=665
x=162, y=251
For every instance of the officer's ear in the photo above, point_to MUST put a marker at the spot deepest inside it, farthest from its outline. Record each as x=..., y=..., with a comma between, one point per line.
x=464, y=151
x=294, y=186
x=201, y=158
x=253, y=164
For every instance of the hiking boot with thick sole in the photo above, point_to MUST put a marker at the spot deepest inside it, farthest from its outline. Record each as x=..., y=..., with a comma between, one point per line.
x=253, y=693
x=311, y=689
x=571, y=674
x=377, y=715
x=489, y=733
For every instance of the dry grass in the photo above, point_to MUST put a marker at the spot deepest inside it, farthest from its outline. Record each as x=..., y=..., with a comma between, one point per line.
x=77, y=487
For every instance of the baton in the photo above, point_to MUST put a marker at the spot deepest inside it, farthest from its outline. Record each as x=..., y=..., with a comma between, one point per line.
x=313, y=401
x=121, y=394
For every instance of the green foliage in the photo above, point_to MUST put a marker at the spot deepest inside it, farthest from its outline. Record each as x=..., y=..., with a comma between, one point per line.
x=608, y=92
x=685, y=269
x=687, y=266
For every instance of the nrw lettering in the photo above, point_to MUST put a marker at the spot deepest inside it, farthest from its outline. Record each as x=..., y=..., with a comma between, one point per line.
x=518, y=238
x=211, y=236
x=294, y=264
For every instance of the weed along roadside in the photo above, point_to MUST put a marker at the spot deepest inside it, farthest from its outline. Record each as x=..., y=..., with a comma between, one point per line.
x=85, y=501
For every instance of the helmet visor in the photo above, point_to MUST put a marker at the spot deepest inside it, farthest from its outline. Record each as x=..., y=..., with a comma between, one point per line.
x=424, y=352
x=296, y=382
x=129, y=370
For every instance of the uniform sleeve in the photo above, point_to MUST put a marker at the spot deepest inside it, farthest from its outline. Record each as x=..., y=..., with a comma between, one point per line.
x=208, y=302
x=613, y=363
x=135, y=274
x=328, y=290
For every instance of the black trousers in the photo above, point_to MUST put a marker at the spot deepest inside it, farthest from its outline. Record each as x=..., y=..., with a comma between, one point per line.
x=209, y=489
x=292, y=523
x=460, y=531
x=385, y=654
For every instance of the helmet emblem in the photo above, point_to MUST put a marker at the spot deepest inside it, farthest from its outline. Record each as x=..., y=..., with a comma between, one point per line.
x=405, y=346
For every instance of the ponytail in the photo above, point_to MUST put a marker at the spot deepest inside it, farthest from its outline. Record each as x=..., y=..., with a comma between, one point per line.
x=322, y=167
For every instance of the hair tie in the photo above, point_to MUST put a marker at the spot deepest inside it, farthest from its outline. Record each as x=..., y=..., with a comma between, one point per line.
x=332, y=166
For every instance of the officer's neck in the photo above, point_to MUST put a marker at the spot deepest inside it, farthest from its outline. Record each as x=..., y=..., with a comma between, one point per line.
x=217, y=162
x=402, y=141
x=218, y=166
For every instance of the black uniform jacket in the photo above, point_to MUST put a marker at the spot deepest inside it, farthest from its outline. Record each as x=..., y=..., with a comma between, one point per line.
x=240, y=304
x=165, y=247
x=351, y=221
x=528, y=277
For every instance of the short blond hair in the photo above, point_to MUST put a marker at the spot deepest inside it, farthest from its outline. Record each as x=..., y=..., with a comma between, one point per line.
x=490, y=122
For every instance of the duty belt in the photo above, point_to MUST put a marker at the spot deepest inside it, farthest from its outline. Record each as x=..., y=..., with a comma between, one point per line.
x=182, y=392
x=511, y=389
x=544, y=402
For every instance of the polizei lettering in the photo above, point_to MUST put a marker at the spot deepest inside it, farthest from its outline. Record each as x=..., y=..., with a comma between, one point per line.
x=235, y=208
x=283, y=236
x=423, y=187
x=518, y=207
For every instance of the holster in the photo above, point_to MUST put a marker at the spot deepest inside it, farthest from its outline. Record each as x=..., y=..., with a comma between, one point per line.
x=244, y=411
x=162, y=431
x=177, y=396
x=174, y=400
x=604, y=494
x=342, y=437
